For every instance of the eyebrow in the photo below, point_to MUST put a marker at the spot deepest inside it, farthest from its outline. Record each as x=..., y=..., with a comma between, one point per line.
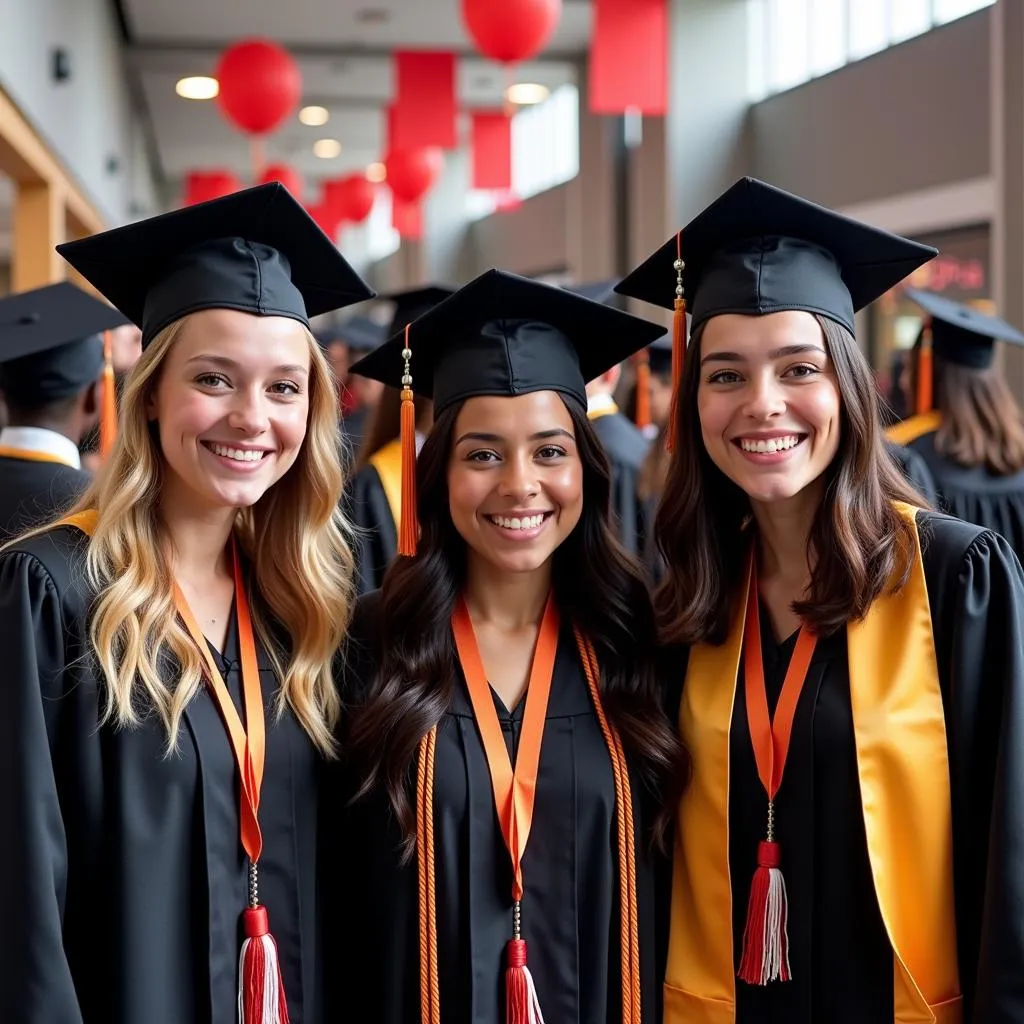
x=541, y=435
x=776, y=353
x=230, y=364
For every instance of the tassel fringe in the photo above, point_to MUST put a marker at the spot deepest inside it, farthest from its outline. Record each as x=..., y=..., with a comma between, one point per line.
x=261, y=998
x=521, y=1003
x=678, y=356
x=765, y=939
x=108, y=400
x=643, y=391
x=409, y=529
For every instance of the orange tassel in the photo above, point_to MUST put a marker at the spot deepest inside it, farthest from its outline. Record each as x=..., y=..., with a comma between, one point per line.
x=409, y=528
x=643, y=390
x=108, y=400
x=678, y=355
x=923, y=399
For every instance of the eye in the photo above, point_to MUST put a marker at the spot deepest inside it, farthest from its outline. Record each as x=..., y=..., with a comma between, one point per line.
x=551, y=451
x=482, y=455
x=724, y=377
x=802, y=370
x=286, y=387
x=211, y=380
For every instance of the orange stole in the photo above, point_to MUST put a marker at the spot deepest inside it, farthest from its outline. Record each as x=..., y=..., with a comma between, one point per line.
x=903, y=766
x=916, y=426
x=28, y=455
x=84, y=521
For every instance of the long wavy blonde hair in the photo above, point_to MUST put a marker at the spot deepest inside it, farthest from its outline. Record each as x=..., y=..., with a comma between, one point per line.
x=296, y=540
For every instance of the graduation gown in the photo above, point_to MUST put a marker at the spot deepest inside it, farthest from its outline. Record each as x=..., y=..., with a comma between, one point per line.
x=371, y=513
x=840, y=953
x=625, y=446
x=125, y=876
x=915, y=469
x=33, y=492
x=570, y=913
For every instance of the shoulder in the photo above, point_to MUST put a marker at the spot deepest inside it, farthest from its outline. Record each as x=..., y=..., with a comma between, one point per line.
x=947, y=541
x=53, y=559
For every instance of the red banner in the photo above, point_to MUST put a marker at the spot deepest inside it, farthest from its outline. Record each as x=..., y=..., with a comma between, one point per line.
x=425, y=107
x=407, y=218
x=629, y=57
x=492, y=150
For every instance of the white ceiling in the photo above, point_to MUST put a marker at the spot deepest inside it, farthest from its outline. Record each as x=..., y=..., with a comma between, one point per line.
x=346, y=66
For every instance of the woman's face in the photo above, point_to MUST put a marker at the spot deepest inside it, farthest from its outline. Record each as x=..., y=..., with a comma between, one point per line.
x=515, y=478
x=232, y=404
x=768, y=402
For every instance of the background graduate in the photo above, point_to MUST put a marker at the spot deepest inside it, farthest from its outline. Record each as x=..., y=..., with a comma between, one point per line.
x=969, y=429
x=178, y=631
x=851, y=848
x=51, y=369
x=518, y=631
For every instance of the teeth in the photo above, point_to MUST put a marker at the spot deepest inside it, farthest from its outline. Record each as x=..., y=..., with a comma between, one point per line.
x=775, y=444
x=517, y=523
x=238, y=454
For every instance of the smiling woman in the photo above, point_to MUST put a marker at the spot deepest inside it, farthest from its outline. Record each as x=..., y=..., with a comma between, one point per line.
x=169, y=645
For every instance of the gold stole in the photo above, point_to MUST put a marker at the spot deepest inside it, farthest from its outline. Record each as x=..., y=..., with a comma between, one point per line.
x=917, y=426
x=903, y=766
x=608, y=410
x=28, y=455
x=84, y=521
x=388, y=463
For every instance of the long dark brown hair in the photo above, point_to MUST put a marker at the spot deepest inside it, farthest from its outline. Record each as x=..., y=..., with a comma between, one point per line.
x=598, y=587
x=859, y=539
x=385, y=425
x=982, y=424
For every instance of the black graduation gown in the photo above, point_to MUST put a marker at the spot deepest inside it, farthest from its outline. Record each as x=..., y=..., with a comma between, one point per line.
x=915, y=469
x=354, y=427
x=975, y=495
x=570, y=909
x=377, y=537
x=841, y=958
x=33, y=493
x=124, y=873
x=626, y=447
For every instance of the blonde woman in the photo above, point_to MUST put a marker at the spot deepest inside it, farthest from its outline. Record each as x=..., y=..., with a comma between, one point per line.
x=168, y=651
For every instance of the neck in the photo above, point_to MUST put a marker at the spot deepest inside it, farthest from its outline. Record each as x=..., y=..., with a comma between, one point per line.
x=509, y=601
x=784, y=534
x=197, y=537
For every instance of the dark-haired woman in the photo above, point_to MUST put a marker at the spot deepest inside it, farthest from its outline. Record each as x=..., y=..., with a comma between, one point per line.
x=851, y=848
x=969, y=429
x=514, y=764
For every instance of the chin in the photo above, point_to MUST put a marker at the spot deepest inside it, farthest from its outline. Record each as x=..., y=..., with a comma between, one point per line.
x=518, y=562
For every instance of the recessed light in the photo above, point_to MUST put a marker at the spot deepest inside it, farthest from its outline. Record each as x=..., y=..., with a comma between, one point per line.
x=327, y=149
x=373, y=16
x=376, y=172
x=525, y=94
x=314, y=116
x=197, y=87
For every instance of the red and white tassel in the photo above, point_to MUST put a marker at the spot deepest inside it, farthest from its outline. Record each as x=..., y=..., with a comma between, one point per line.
x=261, y=998
x=765, y=940
x=521, y=1003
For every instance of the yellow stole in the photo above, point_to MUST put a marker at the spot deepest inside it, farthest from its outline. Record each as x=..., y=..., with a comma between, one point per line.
x=388, y=463
x=27, y=455
x=903, y=766
x=608, y=410
x=84, y=521
x=914, y=427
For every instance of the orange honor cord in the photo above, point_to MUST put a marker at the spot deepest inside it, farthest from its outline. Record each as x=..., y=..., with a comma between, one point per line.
x=765, y=955
x=261, y=996
x=514, y=799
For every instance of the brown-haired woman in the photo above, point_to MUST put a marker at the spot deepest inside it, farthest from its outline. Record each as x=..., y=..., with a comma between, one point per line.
x=851, y=848
x=969, y=429
x=512, y=653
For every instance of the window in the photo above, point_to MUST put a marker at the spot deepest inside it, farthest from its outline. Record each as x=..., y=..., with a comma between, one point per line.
x=381, y=237
x=792, y=41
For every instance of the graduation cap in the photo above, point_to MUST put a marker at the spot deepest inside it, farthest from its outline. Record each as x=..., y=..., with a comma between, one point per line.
x=499, y=335
x=256, y=250
x=412, y=303
x=757, y=250
x=960, y=334
x=51, y=344
x=360, y=333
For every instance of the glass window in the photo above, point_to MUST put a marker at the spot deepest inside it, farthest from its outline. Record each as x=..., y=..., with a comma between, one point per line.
x=950, y=10
x=381, y=237
x=788, y=23
x=909, y=18
x=869, y=27
x=828, y=35
x=757, y=50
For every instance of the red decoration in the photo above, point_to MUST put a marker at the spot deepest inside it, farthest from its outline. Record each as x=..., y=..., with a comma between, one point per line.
x=629, y=57
x=350, y=198
x=260, y=85
x=288, y=176
x=511, y=30
x=508, y=202
x=424, y=113
x=202, y=186
x=413, y=172
x=326, y=218
x=407, y=218
x=492, y=150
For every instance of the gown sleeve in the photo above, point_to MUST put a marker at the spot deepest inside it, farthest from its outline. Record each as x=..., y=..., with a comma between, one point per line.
x=987, y=778
x=36, y=985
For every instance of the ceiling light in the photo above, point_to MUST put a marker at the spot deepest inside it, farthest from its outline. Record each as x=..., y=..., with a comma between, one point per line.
x=327, y=149
x=376, y=172
x=314, y=116
x=526, y=93
x=197, y=87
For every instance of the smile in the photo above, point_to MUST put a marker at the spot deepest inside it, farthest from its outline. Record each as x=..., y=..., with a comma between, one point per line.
x=521, y=527
x=250, y=455
x=769, y=445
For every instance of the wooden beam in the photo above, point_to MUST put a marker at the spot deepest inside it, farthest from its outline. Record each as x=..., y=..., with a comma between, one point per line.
x=39, y=225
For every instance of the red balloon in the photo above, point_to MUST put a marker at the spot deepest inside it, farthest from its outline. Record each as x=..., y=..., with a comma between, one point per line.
x=288, y=176
x=411, y=173
x=260, y=85
x=511, y=30
x=202, y=186
x=352, y=197
x=327, y=220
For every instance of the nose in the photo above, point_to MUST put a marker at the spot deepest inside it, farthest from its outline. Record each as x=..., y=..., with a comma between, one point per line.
x=249, y=413
x=765, y=396
x=518, y=478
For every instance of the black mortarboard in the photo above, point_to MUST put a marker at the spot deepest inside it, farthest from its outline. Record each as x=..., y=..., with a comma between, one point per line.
x=961, y=334
x=51, y=344
x=360, y=333
x=412, y=303
x=507, y=335
x=256, y=250
x=757, y=249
